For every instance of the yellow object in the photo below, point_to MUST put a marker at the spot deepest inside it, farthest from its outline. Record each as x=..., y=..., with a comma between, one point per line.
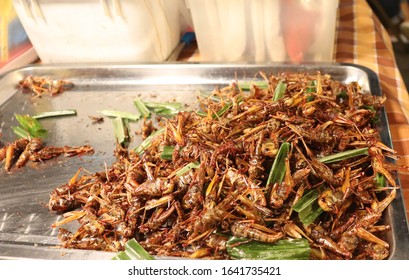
x=7, y=13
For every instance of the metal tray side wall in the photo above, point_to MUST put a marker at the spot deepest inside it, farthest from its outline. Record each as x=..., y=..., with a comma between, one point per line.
x=25, y=224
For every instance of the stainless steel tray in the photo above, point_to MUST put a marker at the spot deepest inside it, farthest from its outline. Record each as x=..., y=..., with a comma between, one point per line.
x=25, y=222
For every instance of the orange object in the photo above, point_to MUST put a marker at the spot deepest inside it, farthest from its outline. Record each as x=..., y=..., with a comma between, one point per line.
x=298, y=33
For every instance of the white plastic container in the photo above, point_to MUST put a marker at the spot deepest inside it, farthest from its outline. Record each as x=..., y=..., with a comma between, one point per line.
x=264, y=30
x=72, y=31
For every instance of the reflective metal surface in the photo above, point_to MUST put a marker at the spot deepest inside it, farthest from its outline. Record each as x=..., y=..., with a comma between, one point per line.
x=25, y=222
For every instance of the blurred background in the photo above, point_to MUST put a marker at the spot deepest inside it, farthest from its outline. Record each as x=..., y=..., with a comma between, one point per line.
x=394, y=16
x=139, y=31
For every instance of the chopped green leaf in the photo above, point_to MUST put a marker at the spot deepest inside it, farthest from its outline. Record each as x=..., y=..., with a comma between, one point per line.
x=121, y=256
x=148, y=141
x=308, y=216
x=306, y=200
x=313, y=87
x=164, y=108
x=121, y=131
x=167, y=152
x=187, y=168
x=344, y=155
x=226, y=107
x=161, y=105
x=121, y=114
x=20, y=132
x=380, y=181
x=279, y=90
x=294, y=249
x=308, y=208
x=222, y=110
x=343, y=94
x=369, y=107
x=277, y=170
x=246, y=85
x=133, y=251
x=310, y=98
x=59, y=113
x=219, y=113
x=157, y=106
x=30, y=125
x=141, y=107
x=167, y=112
